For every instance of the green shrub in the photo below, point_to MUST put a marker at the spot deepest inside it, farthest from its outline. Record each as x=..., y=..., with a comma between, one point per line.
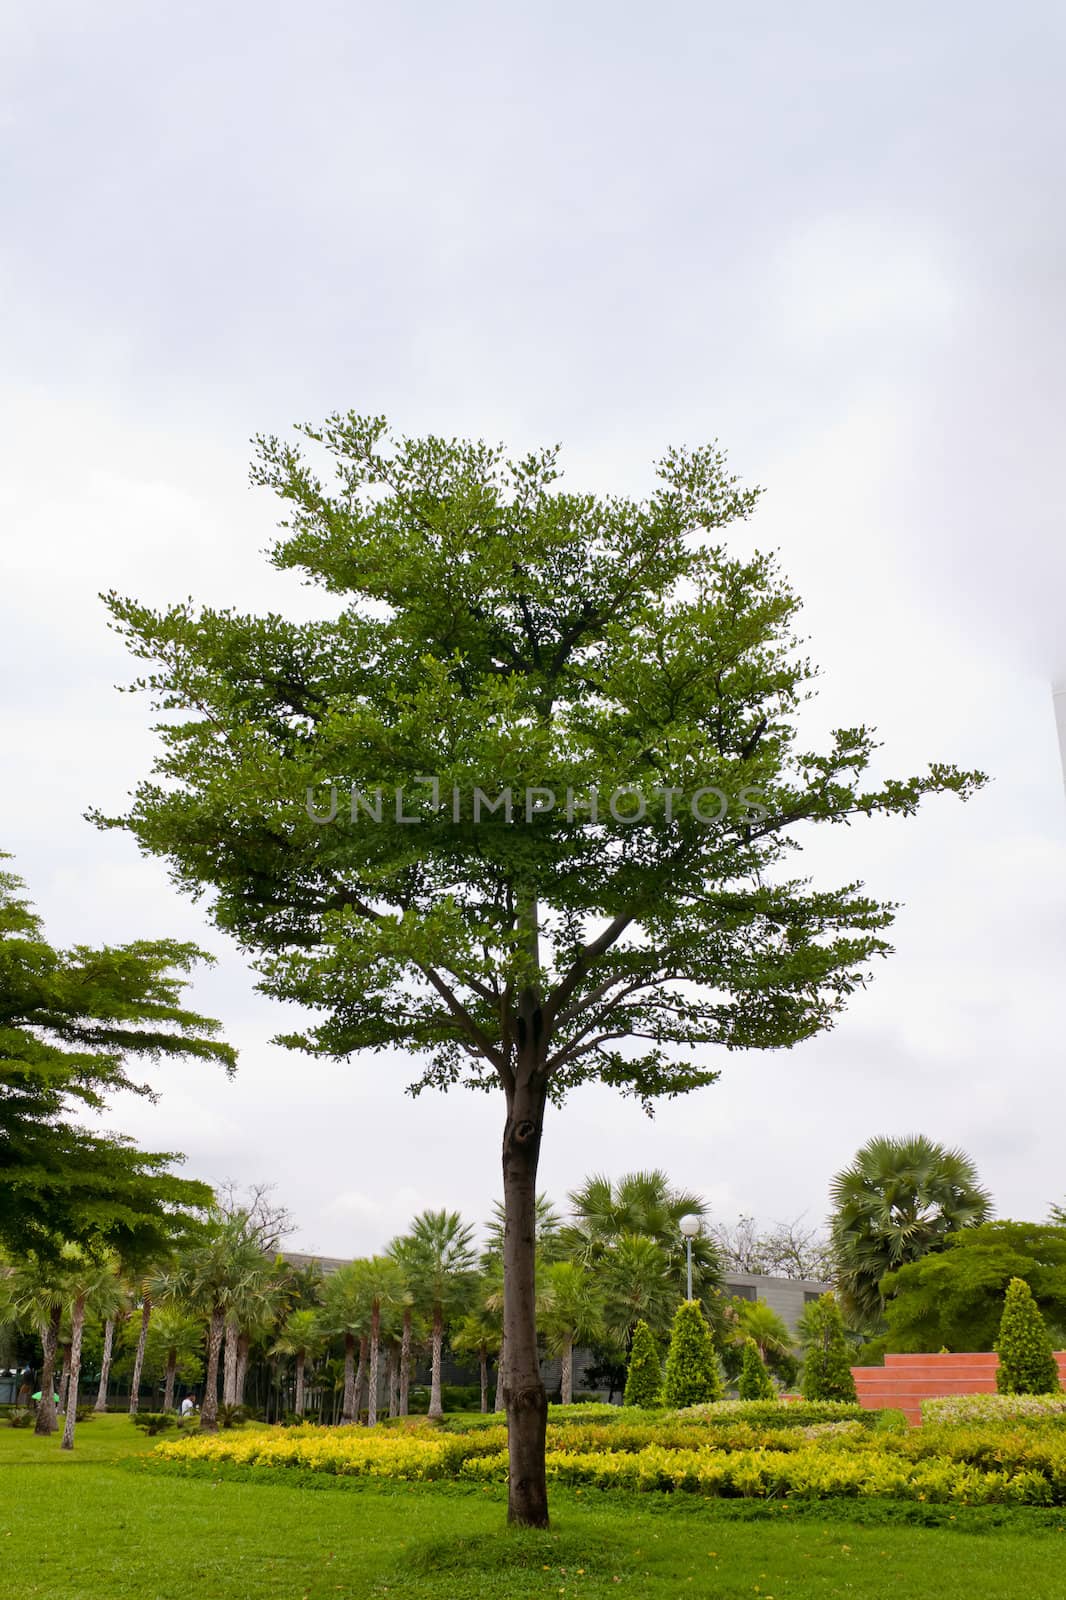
x=154, y=1422
x=963, y=1409
x=20, y=1417
x=1026, y=1359
x=692, y=1374
x=644, y=1380
x=755, y=1382
x=826, y=1355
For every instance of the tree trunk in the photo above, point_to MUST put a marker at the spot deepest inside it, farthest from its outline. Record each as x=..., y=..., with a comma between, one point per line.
x=168, y=1387
x=360, y=1378
x=64, y=1379
x=566, y=1382
x=298, y=1398
x=375, y=1348
x=244, y=1344
x=105, y=1366
x=77, y=1323
x=523, y=1389
x=498, y=1402
x=209, y=1409
x=391, y=1375
x=46, y=1408
x=229, y=1366
x=348, y=1414
x=436, y=1409
x=405, y=1361
x=138, y=1360
x=483, y=1362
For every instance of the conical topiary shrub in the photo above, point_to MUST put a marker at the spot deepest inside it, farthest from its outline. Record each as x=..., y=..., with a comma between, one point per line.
x=1026, y=1359
x=755, y=1382
x=644, y=1380
x=692, y=1374
x=826, y=1354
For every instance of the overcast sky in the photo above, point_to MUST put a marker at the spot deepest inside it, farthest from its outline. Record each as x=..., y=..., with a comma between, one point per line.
x=830, y=236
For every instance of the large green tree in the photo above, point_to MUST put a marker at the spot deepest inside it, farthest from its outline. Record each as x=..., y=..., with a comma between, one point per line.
x=71, y=1022
x=588, y=706
x=954, y=1299
x=899, y=1200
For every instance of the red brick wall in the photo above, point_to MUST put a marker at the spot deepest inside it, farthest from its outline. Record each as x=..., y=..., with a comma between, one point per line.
x=905, y=1381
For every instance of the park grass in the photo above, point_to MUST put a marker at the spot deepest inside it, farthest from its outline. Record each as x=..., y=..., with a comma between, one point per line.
x=98, y=1522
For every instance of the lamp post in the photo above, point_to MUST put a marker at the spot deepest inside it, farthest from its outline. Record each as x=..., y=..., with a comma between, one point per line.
x=690, y=1227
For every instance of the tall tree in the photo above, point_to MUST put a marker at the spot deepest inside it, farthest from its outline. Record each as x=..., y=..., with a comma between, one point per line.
x=301, y=1339
x=648, y=1205
x=346, y=1312
x=626, y=689
x=897, y=1201
x=71, y=1022
x=211, y=1276
x=442, y=1262
x=571, y=1312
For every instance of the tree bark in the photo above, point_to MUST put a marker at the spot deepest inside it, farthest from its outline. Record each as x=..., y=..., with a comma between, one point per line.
x=483, y=1362
x=498, y=1402
x=523, y=1390
x=566, y=1377
x=348, y=1415
x=171, y=1374
x=229, y=1366
x=360, y=1378
x=77, y=1323
x=391, y=1380
x=436, y=1409
x=64, y=1379
x=105, y=1366
x=209, y=1409
x=138, y=1360
x=405, y=1361
x=375, y=1349
x=46, y=1408
x=298, y=1397
x=244, y=1344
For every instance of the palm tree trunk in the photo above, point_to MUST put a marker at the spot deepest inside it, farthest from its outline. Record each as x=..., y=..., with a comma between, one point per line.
x=64, y=1379
x=375, y=1347
x=77, y=1323
x=244, y=1344
x=405, y=1361
x=483, y=1362
x=391, y=1388
x=209, y=1409
x=46, y=1408
x=298, y=1399
x=168, y=1387
x=105, y=1366
x=229, y=1366
x=138, y=1360
x=498, y=1402
x=566, y=1383
x=524, y=1394
x=360, y=1378
x=348, y=1413
x=436, y=1409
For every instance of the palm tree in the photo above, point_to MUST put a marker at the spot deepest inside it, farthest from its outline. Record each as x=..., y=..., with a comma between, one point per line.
x=93, y=1281
x=114, y=1312
x=897, y=1201
x=571, y=1309
x=302, y=1337
x=442, y=1263
x=177, y=1336
x=480, y=1333
x=741, y=1320
x=346, y=1312
x=548, y=1240
x=644, y=1204
x=387, y=1287
x=639, y=1285
x=40, y=1289
x=211, y=1276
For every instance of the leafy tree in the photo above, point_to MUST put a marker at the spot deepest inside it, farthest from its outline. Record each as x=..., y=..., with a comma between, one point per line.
x=692, y=1376
x=492, y=630
x=441, y=1262
x=1027, y=1362
x=897, y=1201
x=826, y=1352
x=571, y=1312
x=644, y=1379
x=71, y=1021
x=755, y=1382
x=954, y=1300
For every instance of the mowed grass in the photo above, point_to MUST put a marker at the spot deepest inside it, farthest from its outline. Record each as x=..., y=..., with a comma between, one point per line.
x=99, y=1522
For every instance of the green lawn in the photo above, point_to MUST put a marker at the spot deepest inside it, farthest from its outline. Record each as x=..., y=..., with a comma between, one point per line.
x=98, y=1523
